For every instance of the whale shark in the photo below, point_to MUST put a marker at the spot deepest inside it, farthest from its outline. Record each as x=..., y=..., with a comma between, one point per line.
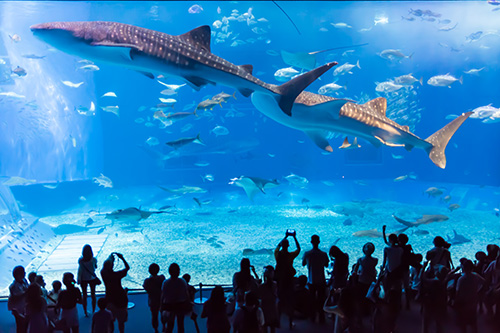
x=253, y=185
x=319, y=115
x=187, y=56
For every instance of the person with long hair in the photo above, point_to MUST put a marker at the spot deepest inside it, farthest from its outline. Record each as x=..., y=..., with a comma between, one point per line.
x=86, y=276
x=215, y=311
x=36, y=310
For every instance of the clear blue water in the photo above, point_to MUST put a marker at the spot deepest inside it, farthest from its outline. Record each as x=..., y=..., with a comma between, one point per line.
x=45, y=140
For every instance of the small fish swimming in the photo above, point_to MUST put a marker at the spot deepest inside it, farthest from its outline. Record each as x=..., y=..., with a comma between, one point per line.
x=433, y=192
x=223, y=97
x=89, y=68
x=184, y=190
x=345, y=68
x=71, y=84
x=112, y=109
x=387, y=86
x=104, y=181
x=407, y=80
x=109, y=94
x=19, y=71
x=208, y=104
x=474, y=71
x=174, y=87
x=330, y=88
x=453, y=207
x=444, y=80
x=391, y=54
x=400, y=178
x=285, y=74
x=184, y=141
x=208, y=177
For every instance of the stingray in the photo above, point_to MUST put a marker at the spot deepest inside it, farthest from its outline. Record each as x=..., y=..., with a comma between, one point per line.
x=307, y=60
x=131, y=214
x=425, y=219
x=252, y=185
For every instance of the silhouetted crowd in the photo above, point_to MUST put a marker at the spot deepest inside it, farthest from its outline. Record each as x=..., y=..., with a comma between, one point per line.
x=360, y=297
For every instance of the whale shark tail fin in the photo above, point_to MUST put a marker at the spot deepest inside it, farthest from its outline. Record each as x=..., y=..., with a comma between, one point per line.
x=440, y=139
x=290, y=90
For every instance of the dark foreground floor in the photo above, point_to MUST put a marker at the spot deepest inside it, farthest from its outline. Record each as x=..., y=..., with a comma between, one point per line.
x=139, y=321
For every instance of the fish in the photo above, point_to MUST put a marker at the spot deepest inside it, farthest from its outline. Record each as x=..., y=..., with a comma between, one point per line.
x=173, y=87
x=400, y=178
x=32, y=56
x=397, y=157
x=86, y=111
x=433, y=192
x=15, y=38
x=195, y=9
x=391, y=54
x=168, y=101
x=89, y=221
x=15, y=181
x=168, y=55
x=220, y=130
x=202, y=164
x=444, y=80
x=253, y=185
x=387, y=86
x=208, y=104
x=89, y=68
x=112, y=109
x=185, y=141
x=298, y=181
x=12, y=94
x=51, y=186
x=474, y=71
x=425, y=219
x=104, y=181
x=184, y=190
x=71, y=84
x=109, y=94
x=285, y=74
x=319, y=115
x=457, y=239
x=131, y=214
x=152, y=141
x=407, y=80
x=223, y=97
x=446, y=198
x=448, y=27
x=341, y=25
x=453, y=207
x=345, y=68
x=347, y=145
x=330, y=88
x=208, y=177
x=19, y=71
x=347, y=222
x=173, y=117
x=200, y=202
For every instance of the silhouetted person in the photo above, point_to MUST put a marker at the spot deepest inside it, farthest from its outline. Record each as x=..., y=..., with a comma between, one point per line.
x=268, y=295
x=116, y=296
x=17, y=297
x=481, y=263
x=102, y=320
x=391, y=265
x=52, y=298
x=284, y=273
x=303, y=305
x=492, y=275
x=175, y=299
x=243, y=281
x=152, y=285
x=405, y=265
x=41, y=282
x=36, y=310
x=469, y=287
x=340, y=270
x=439, y=254
x=492, y=252
x=316, y=261
x=191, y=292
x=32, y=277
x=215, y=311
x=249, y=318
x=67, y=301
x=366, y=271
x=434, y=297
x=86, y=276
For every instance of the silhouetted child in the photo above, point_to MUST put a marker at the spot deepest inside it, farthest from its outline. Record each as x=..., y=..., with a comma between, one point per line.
x=481, y=263
x=469, y=287
x=191, y=292
x=303, y=299
x=405, y=265
x=249, y=318
x=102, y=320
x=152, y=285
x=41, y=282
x=32, y=277
x=268, y=294
x=53, y=295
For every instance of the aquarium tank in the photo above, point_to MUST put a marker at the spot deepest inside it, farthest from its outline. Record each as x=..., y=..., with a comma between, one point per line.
x=199, y=132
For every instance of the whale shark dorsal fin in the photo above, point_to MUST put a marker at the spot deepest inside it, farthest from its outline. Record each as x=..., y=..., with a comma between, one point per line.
x=319, y=138
x=247, y=68
x=198, y=37
x=378, y=104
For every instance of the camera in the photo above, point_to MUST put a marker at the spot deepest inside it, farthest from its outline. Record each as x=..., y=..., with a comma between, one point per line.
x=290, y=232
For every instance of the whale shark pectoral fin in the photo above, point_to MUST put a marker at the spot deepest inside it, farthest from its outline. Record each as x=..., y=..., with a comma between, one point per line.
x=198, y=37
x=319, y=138
x=196, y=82
x=290, y=90
x=125, y=50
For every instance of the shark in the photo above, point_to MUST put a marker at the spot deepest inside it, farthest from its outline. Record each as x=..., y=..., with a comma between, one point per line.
x=374, y=233
x=253, y=185
x=319, y=115
x=457, y=239
x=131, y=214
x=425, y=219
x=187, y=56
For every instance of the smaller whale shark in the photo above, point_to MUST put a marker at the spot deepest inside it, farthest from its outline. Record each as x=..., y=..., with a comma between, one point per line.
x=131, y=214
x=253, y=185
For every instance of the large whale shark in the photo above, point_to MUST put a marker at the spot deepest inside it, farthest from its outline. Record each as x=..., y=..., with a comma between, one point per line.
x=186, y=56
x=319, y=115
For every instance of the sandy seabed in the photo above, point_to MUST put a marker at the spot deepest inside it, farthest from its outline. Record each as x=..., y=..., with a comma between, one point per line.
x=208, y=242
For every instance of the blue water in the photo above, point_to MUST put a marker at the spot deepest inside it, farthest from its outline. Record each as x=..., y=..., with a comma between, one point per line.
x=43, y=138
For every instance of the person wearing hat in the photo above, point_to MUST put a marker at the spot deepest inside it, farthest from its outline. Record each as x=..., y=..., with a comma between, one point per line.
x=316, y=261
x=67, y=301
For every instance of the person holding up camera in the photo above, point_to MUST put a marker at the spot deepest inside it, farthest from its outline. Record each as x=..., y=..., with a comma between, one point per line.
x=284, y=274
x=115, y=294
